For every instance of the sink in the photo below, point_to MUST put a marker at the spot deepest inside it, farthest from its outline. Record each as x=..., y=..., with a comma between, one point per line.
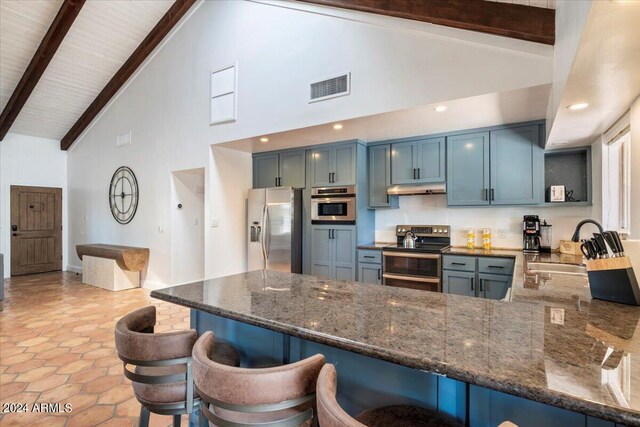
x=548, y=267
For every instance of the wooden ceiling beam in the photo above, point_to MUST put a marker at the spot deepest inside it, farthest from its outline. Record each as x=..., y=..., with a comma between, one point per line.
x=45, y=52
x=529, y=23
x=153, y=39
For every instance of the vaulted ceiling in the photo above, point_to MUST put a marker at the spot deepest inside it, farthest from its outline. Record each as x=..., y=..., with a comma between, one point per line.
x=61, y=61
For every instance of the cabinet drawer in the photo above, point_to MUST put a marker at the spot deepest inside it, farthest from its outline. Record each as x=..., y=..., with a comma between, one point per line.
x=495, y=265
x=458, y=263
x=369, y=256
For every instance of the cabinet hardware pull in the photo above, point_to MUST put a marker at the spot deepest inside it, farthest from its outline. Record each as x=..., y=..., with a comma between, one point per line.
x=486, y=196
x=496, y=266
x=458, y=263
x=414, y=173
x=481, y=287
x=279, y=181
x=472, y=280
x=493, y=195
x=379, y=275
x=276, y=181
x=368, y=256
x=418, y=173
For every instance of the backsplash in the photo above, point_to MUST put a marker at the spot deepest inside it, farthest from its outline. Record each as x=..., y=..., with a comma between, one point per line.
x=505, y=222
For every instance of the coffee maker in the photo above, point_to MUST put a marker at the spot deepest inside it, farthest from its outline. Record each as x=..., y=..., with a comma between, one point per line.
x=531, y=233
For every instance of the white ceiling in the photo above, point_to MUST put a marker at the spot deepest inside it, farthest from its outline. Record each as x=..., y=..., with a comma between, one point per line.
x=101, y=39
x=478, y=111
x=605, y=73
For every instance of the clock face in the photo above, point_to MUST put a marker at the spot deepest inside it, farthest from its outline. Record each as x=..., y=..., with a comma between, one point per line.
x=123, y=195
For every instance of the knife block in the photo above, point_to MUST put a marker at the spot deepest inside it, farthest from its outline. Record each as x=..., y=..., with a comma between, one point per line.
x=570, y=247
x=613, y=279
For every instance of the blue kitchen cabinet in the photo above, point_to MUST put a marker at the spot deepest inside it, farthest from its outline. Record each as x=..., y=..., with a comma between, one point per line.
x=459, y=283
x=483, y=277
x=279, y=169
x=418, y=162
x=379, y=162
x=370, y=266
x=468, y=169
x=516, y=166
x=333, y=251
x=265, y=170
x=334, y=165
x=493, y=286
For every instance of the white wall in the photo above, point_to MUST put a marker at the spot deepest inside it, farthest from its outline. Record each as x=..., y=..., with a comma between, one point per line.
x=505, y=222
x=635, y=169
x=187, y=226
x=395, y=64
x=29, y=160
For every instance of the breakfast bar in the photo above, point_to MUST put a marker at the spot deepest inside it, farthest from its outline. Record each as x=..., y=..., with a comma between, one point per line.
x=550, y=355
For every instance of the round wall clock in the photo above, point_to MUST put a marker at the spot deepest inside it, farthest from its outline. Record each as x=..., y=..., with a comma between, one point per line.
x=123, y=195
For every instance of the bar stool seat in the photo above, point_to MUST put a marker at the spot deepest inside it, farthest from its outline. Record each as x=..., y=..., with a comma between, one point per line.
x=330, y=414
x=175, y=392
x=405, y=416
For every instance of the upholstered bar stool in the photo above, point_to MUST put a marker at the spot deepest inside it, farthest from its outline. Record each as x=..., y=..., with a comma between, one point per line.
x=162, y=378
x=330, y=414
x=282, y=396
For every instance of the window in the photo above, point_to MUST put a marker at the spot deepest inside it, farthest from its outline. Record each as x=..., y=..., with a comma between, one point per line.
x=616, y=182
x=223, y=95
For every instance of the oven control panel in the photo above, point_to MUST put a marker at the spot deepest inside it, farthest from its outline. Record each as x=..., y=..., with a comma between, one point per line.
x=424, y=230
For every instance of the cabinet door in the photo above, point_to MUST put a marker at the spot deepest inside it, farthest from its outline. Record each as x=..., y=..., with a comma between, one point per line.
x=493, y=286
x=459, y=283
x=468, y=169
x=516, y=158
x=344, y=160
x=321, y=166
x=292, y=169
x=379, y=175
x=370, y=273
x=403, y=162
x=265, y=170
x=321, y=251
x=344, y=252
x=431, y=160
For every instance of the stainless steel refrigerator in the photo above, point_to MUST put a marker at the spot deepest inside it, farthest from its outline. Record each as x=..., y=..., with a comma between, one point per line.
x=275, y=229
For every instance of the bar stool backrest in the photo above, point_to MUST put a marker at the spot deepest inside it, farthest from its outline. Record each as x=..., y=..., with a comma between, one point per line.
x=330, y=413
x=227, y=390
x=137, y=345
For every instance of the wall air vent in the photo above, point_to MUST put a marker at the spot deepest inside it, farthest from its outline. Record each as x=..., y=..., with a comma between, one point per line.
x=330, y=88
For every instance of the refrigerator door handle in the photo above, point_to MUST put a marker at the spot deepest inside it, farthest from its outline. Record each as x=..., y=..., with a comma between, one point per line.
x=266, y=233
x=262, y=245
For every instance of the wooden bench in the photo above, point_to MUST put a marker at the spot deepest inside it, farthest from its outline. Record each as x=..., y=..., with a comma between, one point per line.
x=112, y=267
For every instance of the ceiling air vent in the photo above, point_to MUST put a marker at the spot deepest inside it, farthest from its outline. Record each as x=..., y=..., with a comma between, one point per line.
x=330, y=88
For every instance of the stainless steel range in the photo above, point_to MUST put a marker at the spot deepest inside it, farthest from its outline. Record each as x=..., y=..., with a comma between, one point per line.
x=415, y=261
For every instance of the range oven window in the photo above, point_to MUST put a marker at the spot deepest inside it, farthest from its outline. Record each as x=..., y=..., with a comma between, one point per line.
x=332, y=209
x=424, y=266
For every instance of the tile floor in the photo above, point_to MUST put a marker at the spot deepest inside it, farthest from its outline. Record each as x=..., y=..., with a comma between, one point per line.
x=57, y=345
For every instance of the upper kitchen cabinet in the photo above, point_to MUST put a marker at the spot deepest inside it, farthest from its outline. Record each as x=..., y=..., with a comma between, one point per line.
x=417, y=162
x=279, y=169
x=379, y=162
x=500, y=167
x=516, y=172
x=468, y=169
x=333, y=165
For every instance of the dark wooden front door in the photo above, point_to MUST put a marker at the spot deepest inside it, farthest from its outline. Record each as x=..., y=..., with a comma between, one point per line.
x=36, y=229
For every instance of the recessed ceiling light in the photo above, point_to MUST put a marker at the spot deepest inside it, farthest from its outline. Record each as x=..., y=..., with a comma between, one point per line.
x=441, y=108
x=264, y=139
x=578, y=106
x=337, y=126
x=561, y=142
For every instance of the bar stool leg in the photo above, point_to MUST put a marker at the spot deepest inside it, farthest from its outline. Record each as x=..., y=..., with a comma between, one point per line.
x=144, y=417
x=176, y=420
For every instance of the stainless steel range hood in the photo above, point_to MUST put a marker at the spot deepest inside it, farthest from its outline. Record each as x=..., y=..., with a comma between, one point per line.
x=414, y=190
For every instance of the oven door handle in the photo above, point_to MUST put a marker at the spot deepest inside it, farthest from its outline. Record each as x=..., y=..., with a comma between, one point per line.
x=411, y=255
x=332, y=199
x=410, y=278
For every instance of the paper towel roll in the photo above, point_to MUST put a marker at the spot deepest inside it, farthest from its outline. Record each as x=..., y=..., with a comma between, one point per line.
x=632, y=250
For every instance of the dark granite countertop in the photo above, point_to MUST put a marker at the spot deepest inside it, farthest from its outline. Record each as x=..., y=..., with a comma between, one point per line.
x=551, y=343
x=376, y=246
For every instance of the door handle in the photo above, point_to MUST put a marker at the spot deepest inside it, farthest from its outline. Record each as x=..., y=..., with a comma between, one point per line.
x=15, y=234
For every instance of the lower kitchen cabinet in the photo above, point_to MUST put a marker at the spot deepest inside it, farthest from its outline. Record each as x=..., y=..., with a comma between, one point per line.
x=333, y=251
x=464, y=275
x=493, y=286
x=459, y=283
x=370, y=266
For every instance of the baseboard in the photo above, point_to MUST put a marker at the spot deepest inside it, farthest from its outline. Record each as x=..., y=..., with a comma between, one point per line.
x=153, y=286
x=74, y=269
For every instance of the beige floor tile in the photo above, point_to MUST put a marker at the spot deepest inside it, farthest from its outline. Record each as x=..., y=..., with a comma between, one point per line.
x=73, y=367
x=47, y=383
x=35, y=374
x=63, y=359
x=103, y=384
x=91, y=416
x=20, y=368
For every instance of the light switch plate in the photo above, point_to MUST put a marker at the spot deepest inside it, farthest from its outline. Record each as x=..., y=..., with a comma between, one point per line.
x=557, y=316
x=214, y=222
